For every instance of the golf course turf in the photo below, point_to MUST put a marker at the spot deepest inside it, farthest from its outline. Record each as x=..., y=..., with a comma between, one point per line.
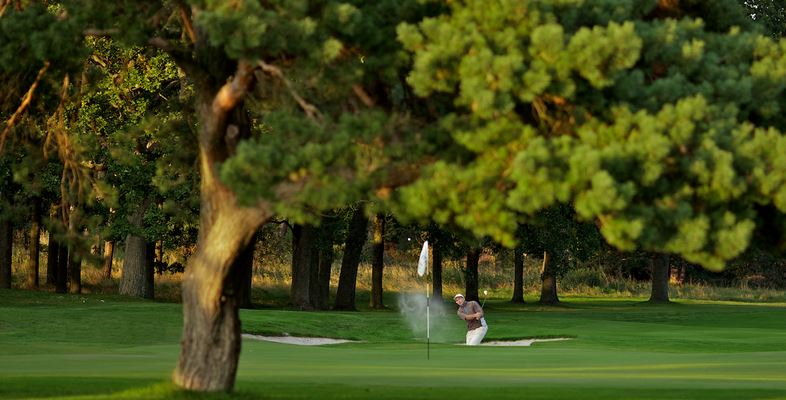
x=98, y=346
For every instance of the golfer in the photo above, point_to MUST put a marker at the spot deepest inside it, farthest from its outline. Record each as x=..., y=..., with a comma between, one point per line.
x=472, y=312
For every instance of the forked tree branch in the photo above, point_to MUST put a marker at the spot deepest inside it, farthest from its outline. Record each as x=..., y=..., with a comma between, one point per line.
x=235, y=90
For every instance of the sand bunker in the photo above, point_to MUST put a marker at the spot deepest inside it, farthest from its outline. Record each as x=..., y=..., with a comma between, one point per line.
x=522, y=342
x=303, y=341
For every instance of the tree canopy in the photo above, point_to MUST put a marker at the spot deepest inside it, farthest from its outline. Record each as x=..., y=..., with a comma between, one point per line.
x=658, y=121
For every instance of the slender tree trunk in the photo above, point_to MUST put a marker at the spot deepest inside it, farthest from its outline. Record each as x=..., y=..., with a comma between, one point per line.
x=436, y=270
x=660, y=278
x=245, y=266
x=518, y=276
x=473, y=258
x=313, y=272
x=53, y=249
x=109, y=251
x=347, y=280
x=52, y=252
x=6, y=244
x=159, y=251
x=61, y=285
x=210, y=346
x=303, y=237
x=326, y=257
x=74, y=264
x=34, y=249
x=74, y=269
x=548, y=277
x=150, y=271
x=377, y=263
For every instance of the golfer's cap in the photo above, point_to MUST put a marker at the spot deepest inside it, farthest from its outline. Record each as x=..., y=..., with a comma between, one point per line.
x=457, y=296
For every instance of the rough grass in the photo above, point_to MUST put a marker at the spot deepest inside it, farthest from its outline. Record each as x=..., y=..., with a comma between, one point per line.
x=102, y=346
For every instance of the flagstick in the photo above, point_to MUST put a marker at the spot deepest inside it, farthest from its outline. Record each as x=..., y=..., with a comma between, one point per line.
x=428, y=323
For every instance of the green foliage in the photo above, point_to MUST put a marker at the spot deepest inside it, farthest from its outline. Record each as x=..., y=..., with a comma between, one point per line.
x=654, y=128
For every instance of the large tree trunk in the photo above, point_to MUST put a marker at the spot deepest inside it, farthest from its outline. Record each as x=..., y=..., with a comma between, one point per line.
x=436, y=270
x=53, y=250
x=211, y=327
x=377, y=262
x=34, y=249
x=347, y=279
x=109, y=252
x=303, y=239
x=135, y=278
x=660, y=278
x=471, y=274
x=548, y=277
x=518, y=276
x=6, y=244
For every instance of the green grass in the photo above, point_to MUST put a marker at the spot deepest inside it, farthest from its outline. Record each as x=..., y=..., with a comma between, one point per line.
x=100, y=346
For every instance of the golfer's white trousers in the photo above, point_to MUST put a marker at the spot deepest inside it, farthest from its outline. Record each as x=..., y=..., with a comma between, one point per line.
x=476, y=335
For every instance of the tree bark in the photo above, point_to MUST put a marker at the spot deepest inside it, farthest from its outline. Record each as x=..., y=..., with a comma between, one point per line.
x=518, y=276
x=471, y=274
x=303, y=237
x=6, y=244
x=34, y=249
x=109, y=252
x=52, y=252
x=436, y=270
x=660, y=278
x=377, y=262
x=347, y=280
x=548, y=277
x=211, y=327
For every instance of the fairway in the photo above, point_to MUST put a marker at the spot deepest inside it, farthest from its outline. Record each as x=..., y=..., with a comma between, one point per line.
x=91, y=347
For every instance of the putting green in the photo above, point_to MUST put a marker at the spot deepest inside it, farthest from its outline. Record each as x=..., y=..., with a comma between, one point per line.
x=81, y=347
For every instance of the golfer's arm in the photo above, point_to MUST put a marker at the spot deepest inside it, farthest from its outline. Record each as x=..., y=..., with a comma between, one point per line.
x=478, y=311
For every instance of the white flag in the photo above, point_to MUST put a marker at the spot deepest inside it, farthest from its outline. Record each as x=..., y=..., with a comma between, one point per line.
x=423, y=261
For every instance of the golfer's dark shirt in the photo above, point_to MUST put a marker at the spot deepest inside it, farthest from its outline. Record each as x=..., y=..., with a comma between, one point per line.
x=470, y=307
